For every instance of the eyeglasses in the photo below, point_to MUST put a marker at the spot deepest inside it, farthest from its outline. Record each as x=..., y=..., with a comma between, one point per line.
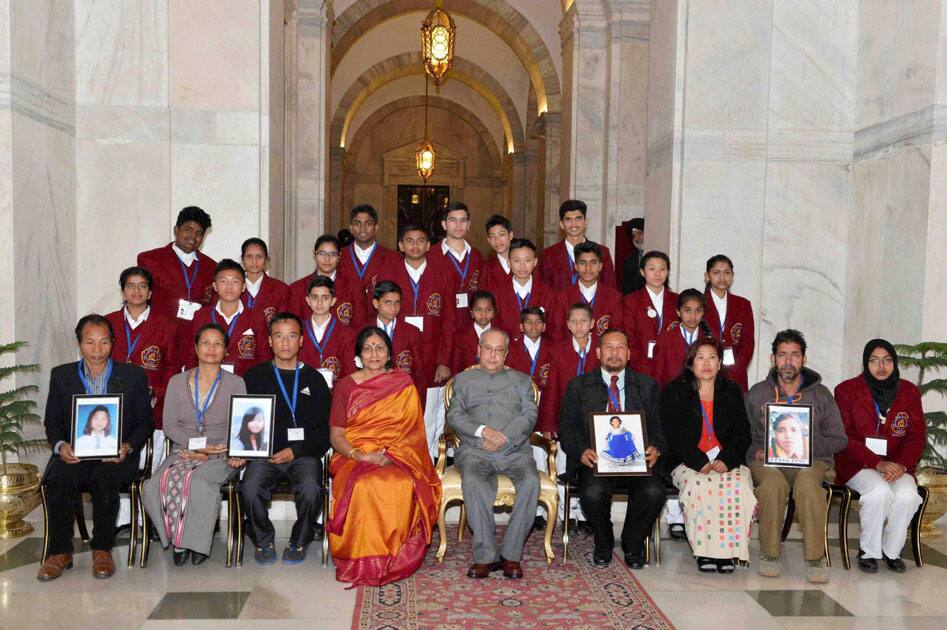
x=492, y=349
x=875, y=361
x=327, y=254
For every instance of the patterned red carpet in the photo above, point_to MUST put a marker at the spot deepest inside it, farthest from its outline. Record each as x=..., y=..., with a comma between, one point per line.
x=575, y=595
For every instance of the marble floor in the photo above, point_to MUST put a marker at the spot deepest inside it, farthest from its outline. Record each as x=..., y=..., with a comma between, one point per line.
x=307, y=595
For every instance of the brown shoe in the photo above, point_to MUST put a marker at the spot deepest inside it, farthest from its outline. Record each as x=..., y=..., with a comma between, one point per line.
x=54, y=566
x=102, y=564
x=511, y=570
x=480, y=571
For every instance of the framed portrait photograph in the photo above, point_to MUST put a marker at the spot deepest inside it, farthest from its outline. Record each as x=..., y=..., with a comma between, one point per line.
x=251, y=426
x=788, y=436
x=619, y=440
x=96, y=426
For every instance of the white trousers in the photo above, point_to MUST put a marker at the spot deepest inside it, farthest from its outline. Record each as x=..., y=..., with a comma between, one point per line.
x=674, y=513
x=542, y=464
x=885, y=512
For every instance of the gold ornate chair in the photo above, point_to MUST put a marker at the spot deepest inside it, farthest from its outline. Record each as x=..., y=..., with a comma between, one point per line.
x=451, y=491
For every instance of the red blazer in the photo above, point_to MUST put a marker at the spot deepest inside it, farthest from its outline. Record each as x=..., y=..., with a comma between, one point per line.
x=493, y=274
x=406, y=346
x=435, y=303
x=669, y=354
x=738, y=333
x=338, y=354
x=904, y=427
x=348, y=274
x=518, y=359
x=555, y=267
x=443, y=264
x=156, y=352
x=565, y=367
x=272, y=298
x=249, y=344
x=466, y=349
x=606, y=308
x=642, y=329
x=169, y=285
x=349, y=306
x=508, y=308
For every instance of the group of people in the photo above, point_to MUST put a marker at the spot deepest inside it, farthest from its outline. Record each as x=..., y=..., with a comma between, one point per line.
x=351, y=351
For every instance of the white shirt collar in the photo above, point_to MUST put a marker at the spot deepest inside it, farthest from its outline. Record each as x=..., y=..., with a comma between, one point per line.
x=415, y=274
x=135, y=323
x=657, y=299
x=221, y=313
x=459, y=257
x=480, y=330
x=608, y=379
x=187, y=259
x=721, y=304
x=254, y=287
x=532, y=347
x=575, y=345
x=522, y=290
x=504, y=263
x=389, y=328
x=318, y=330
x=587, y=293
x=363, y=254
x=570, y=249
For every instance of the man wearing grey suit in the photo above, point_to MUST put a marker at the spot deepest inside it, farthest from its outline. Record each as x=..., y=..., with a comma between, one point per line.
x=494, y=412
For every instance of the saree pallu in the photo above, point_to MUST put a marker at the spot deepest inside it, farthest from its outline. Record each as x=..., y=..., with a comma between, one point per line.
x=383, y=516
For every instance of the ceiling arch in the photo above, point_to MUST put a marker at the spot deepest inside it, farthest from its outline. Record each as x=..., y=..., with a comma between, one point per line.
x=497, y=15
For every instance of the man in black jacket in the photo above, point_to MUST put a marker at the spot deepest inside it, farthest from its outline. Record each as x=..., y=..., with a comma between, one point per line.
x=94, y=374
x=614, y=387
x=300, y=439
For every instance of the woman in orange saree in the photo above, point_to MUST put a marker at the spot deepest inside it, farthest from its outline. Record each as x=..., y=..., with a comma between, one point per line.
x=385, y=490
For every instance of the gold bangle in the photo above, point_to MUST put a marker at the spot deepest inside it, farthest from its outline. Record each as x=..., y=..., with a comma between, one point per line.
x=351, y=454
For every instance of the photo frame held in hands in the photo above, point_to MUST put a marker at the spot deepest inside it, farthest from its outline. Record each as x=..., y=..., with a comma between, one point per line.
x=96, y=426
x=250, y=431
x=788, y=441
x=619, y=440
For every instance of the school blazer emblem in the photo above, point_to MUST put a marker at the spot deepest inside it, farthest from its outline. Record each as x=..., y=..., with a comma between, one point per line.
x=403, y=361
x=474, y=283
x=151, y=358
x=332, y=363
x=736, y=333
x=247, y=346
x=344, y=312
x=543, y=372
x=899, y=426
x=602, y=324
x=434, y=303
x=270, y=312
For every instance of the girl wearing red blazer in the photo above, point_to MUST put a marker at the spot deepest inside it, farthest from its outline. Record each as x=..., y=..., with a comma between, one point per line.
x=886, y=431
x=263, y=292
x=730, y=318
x=649, y=311
x=467, y=343
x=676, y=340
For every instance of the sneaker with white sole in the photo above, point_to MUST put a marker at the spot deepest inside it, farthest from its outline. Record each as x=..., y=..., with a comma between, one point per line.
x=817, y=571
x=769, y=567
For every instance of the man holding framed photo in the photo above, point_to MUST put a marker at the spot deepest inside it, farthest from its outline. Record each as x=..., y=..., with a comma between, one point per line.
x=300, y=438
x=95, y=374
x=779, y=407
x=618, y=392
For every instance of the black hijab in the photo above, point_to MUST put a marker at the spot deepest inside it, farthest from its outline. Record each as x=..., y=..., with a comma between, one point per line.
x=884, y=391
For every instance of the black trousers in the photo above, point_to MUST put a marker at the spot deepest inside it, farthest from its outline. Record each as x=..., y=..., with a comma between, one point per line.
x=305, y=473
x=646, y=497
x=104, y=482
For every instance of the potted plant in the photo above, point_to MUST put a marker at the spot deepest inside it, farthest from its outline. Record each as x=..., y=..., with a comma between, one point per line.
x=19, y=483
x=927, y=357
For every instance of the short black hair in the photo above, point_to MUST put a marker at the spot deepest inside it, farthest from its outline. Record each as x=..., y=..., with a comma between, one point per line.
x=345, y=237
x=588, y=247
x=211, y=326
x=94, y=319
x=285, y=316
x=363, y=209
x=532, y=310
x=499, y=219
x=229, y=264
x=326, y=238
x=713, y=260
x=790, y=335
x=615, y=331
x=413, y=227
x=689, y=294
x=195, y=214
x=655, y=254
x=383, y=287
x=367, y=332
x=580, y=306
x=135, y=271
x=254, y=241
x=519, y=243
x=456, y=205
x=321, y=281
x=483, y=295
x=572, y=204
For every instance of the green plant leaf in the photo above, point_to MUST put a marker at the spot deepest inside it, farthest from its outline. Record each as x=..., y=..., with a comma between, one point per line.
x=936, y=386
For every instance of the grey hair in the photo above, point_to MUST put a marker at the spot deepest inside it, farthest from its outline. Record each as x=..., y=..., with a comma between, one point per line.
x=506, y=337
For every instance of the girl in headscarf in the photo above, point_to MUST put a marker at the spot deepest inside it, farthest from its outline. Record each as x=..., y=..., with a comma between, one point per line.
x=886, y=431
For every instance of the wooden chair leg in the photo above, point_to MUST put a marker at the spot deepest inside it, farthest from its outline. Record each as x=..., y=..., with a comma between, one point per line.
x=567, y=502
x=790, y=515
x=657, y=541
x=145, y=531
x=133, y=532
x=230, y=524
x=238, y=504
x=916, y=526
x=42, y=492
x=442, y=531
x=325, y=527
x=552, y=510
x=463, y=522
x=825, y=529
x=844, y=508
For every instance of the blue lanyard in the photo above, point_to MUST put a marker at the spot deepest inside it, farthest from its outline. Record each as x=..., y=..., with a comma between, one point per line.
x=881, y=418
x=325, y=340
x=580, y=366
x=361, y=272
x=616, y=403
x=707, y=424
x=523, y=304
x=251, y=300
x=200, y=411
x=660, y=323
x=416, y=288
x=85, y=382
x=282, y=387
x=532, y=367
x=128, y=341
x=689, y=340
x=189, y=281
x=463, y=274
x=571, y=263
x=233, y=322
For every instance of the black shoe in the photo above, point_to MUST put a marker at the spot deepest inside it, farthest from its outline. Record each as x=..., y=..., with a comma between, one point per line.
x=539, y=523
x=318, y=531
x=635, y=559
x=677, y=531
x=585, y=527
x=198, y=558
x=868, y=565
x=725, y=566
x=180, y=557
x=706, y=565
x=895, y=564
x=602, y=557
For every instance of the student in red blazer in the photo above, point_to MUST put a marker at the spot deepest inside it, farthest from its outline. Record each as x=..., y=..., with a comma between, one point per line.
x=263, y=292
x=676, y=341
x=405, y=338
x=328, y=344
x=348, y=308
x=734, y=327
x=496, y=271
x=247, y=332
x=649, y=311
x=523, y=290
x=568, y=362
x=427, y=304
x=604, y=300
x=531, y=353
x=145, y=337
x=362, y=262
x=557, y=263
x=884, y=421
x=467, y=342
x=456, y=260
x=181, y=272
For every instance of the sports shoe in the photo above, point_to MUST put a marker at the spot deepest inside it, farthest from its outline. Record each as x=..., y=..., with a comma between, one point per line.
x=817, y=571
x=293, y=553
x=769, y=567
x=265, y=555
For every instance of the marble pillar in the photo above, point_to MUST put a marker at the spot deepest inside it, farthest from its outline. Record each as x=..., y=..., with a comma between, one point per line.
x=552, y=135
x=7, y=261
x=519, y=196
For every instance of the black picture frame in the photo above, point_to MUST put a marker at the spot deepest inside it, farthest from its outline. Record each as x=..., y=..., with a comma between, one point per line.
x=798, y=453
x=241, y=407
x=85, y=444
x=615, y=459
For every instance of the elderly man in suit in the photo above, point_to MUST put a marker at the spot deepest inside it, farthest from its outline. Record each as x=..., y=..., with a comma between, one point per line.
x=494, y=412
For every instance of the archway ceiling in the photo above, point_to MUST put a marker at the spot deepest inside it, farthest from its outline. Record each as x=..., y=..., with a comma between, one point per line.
x=359, y=18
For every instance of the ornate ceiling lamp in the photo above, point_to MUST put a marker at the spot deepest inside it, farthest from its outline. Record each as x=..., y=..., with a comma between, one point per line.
x=424, y=154
x=438, y=34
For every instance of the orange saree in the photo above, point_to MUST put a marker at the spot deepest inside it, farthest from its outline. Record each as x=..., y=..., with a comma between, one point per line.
x=382, y=516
